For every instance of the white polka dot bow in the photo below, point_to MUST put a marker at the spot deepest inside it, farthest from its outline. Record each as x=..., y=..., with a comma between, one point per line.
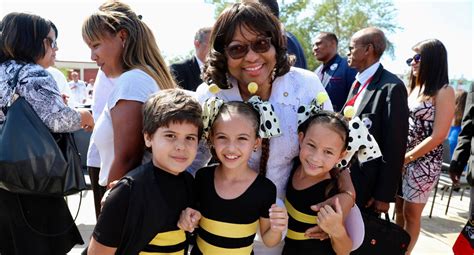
x=360, y=142
x=306, y=111
x=269, y=124
x=360, y=139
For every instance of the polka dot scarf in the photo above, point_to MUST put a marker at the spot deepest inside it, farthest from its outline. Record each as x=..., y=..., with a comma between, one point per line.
x=269, y=124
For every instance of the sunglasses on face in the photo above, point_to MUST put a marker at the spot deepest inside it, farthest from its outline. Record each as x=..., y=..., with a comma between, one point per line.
x=53, y=43
x=239, y=50
x=417, y=59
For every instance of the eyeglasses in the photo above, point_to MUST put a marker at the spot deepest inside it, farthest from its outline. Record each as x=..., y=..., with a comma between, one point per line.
x=54, y=43
x=417, y=59
x=238, y=50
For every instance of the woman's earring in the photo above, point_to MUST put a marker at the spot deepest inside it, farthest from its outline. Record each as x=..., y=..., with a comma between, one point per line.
x=229, y=84
x=272, y=77
x=255, y=149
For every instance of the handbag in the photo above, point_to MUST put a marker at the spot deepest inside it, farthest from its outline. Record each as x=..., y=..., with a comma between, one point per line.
x=32, y=159
x=382, y=237
x=464, y=244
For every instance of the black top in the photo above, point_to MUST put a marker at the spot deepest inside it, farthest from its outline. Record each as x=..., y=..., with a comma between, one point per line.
x=176, y=193
x=230, y=223
x=301, y=217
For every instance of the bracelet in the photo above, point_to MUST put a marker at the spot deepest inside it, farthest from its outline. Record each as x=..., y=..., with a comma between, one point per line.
x=351, y=195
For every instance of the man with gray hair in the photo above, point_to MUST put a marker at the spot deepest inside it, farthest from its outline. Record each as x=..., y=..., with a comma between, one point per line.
x=379, y=98
x=187, y=73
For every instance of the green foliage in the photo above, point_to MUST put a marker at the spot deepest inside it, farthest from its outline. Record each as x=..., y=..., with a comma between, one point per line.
x=342, y=17
x=219, y=5
x=306, y=19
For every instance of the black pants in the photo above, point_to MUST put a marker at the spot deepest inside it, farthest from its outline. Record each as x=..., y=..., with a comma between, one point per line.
x=96, y=188
x=27, y=220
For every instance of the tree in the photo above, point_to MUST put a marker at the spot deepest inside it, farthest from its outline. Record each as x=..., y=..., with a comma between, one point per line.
x=342, y=17
x=306, y=19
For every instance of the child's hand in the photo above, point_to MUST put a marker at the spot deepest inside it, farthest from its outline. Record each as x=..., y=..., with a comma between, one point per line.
x=278, y=218
x=331, y=221
x=189, y=219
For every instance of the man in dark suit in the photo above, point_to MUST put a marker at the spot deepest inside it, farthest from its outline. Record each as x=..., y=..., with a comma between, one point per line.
x=379, y=98
x=188, y=72
x=464, y=152
x=335, y=75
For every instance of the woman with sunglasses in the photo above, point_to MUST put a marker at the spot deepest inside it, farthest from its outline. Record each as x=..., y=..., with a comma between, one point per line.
x=32, y=224
x=431, y=103
x=248, y=47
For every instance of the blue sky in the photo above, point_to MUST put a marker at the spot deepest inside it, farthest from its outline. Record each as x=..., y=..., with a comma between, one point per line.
x=174, y=23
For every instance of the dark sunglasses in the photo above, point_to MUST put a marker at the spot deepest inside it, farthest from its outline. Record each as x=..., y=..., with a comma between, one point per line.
x=238, y=50
x=417, y=59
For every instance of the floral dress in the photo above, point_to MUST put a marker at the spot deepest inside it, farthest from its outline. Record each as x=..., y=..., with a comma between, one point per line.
x=421, y=175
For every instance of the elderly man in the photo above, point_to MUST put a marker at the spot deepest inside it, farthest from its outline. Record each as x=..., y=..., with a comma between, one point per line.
x=78, y=90
x=335, y=75
x=379, y=98
x=188, y=72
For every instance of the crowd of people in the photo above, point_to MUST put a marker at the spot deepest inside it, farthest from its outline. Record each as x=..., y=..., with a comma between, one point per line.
x=280, y=138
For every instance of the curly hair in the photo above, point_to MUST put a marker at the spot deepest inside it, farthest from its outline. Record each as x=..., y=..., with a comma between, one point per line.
x=253, y=17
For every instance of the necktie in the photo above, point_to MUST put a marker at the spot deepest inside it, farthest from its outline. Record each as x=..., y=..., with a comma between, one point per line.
x=356, y=87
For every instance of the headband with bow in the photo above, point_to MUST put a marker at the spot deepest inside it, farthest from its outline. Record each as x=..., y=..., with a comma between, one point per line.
x=210, y=108
x=269, y=123
x=360, y=140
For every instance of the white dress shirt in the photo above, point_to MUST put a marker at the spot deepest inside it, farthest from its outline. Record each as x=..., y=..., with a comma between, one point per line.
x=362, y=78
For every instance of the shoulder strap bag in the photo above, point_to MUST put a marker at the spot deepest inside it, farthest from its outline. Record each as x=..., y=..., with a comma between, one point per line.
x=32, y=160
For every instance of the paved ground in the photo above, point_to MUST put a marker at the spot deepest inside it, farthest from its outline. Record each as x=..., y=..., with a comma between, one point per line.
x=438, y=233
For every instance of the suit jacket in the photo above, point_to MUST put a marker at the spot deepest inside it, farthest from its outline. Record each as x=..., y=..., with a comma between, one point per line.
x=187, y=73
x=464, y=152
x=337, y=81
x=384, y=106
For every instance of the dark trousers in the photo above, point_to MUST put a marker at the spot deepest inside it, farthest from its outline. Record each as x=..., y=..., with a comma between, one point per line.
x=96, y=188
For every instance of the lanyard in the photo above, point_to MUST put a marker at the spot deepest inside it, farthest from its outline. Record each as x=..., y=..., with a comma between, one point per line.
x=351, y=102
